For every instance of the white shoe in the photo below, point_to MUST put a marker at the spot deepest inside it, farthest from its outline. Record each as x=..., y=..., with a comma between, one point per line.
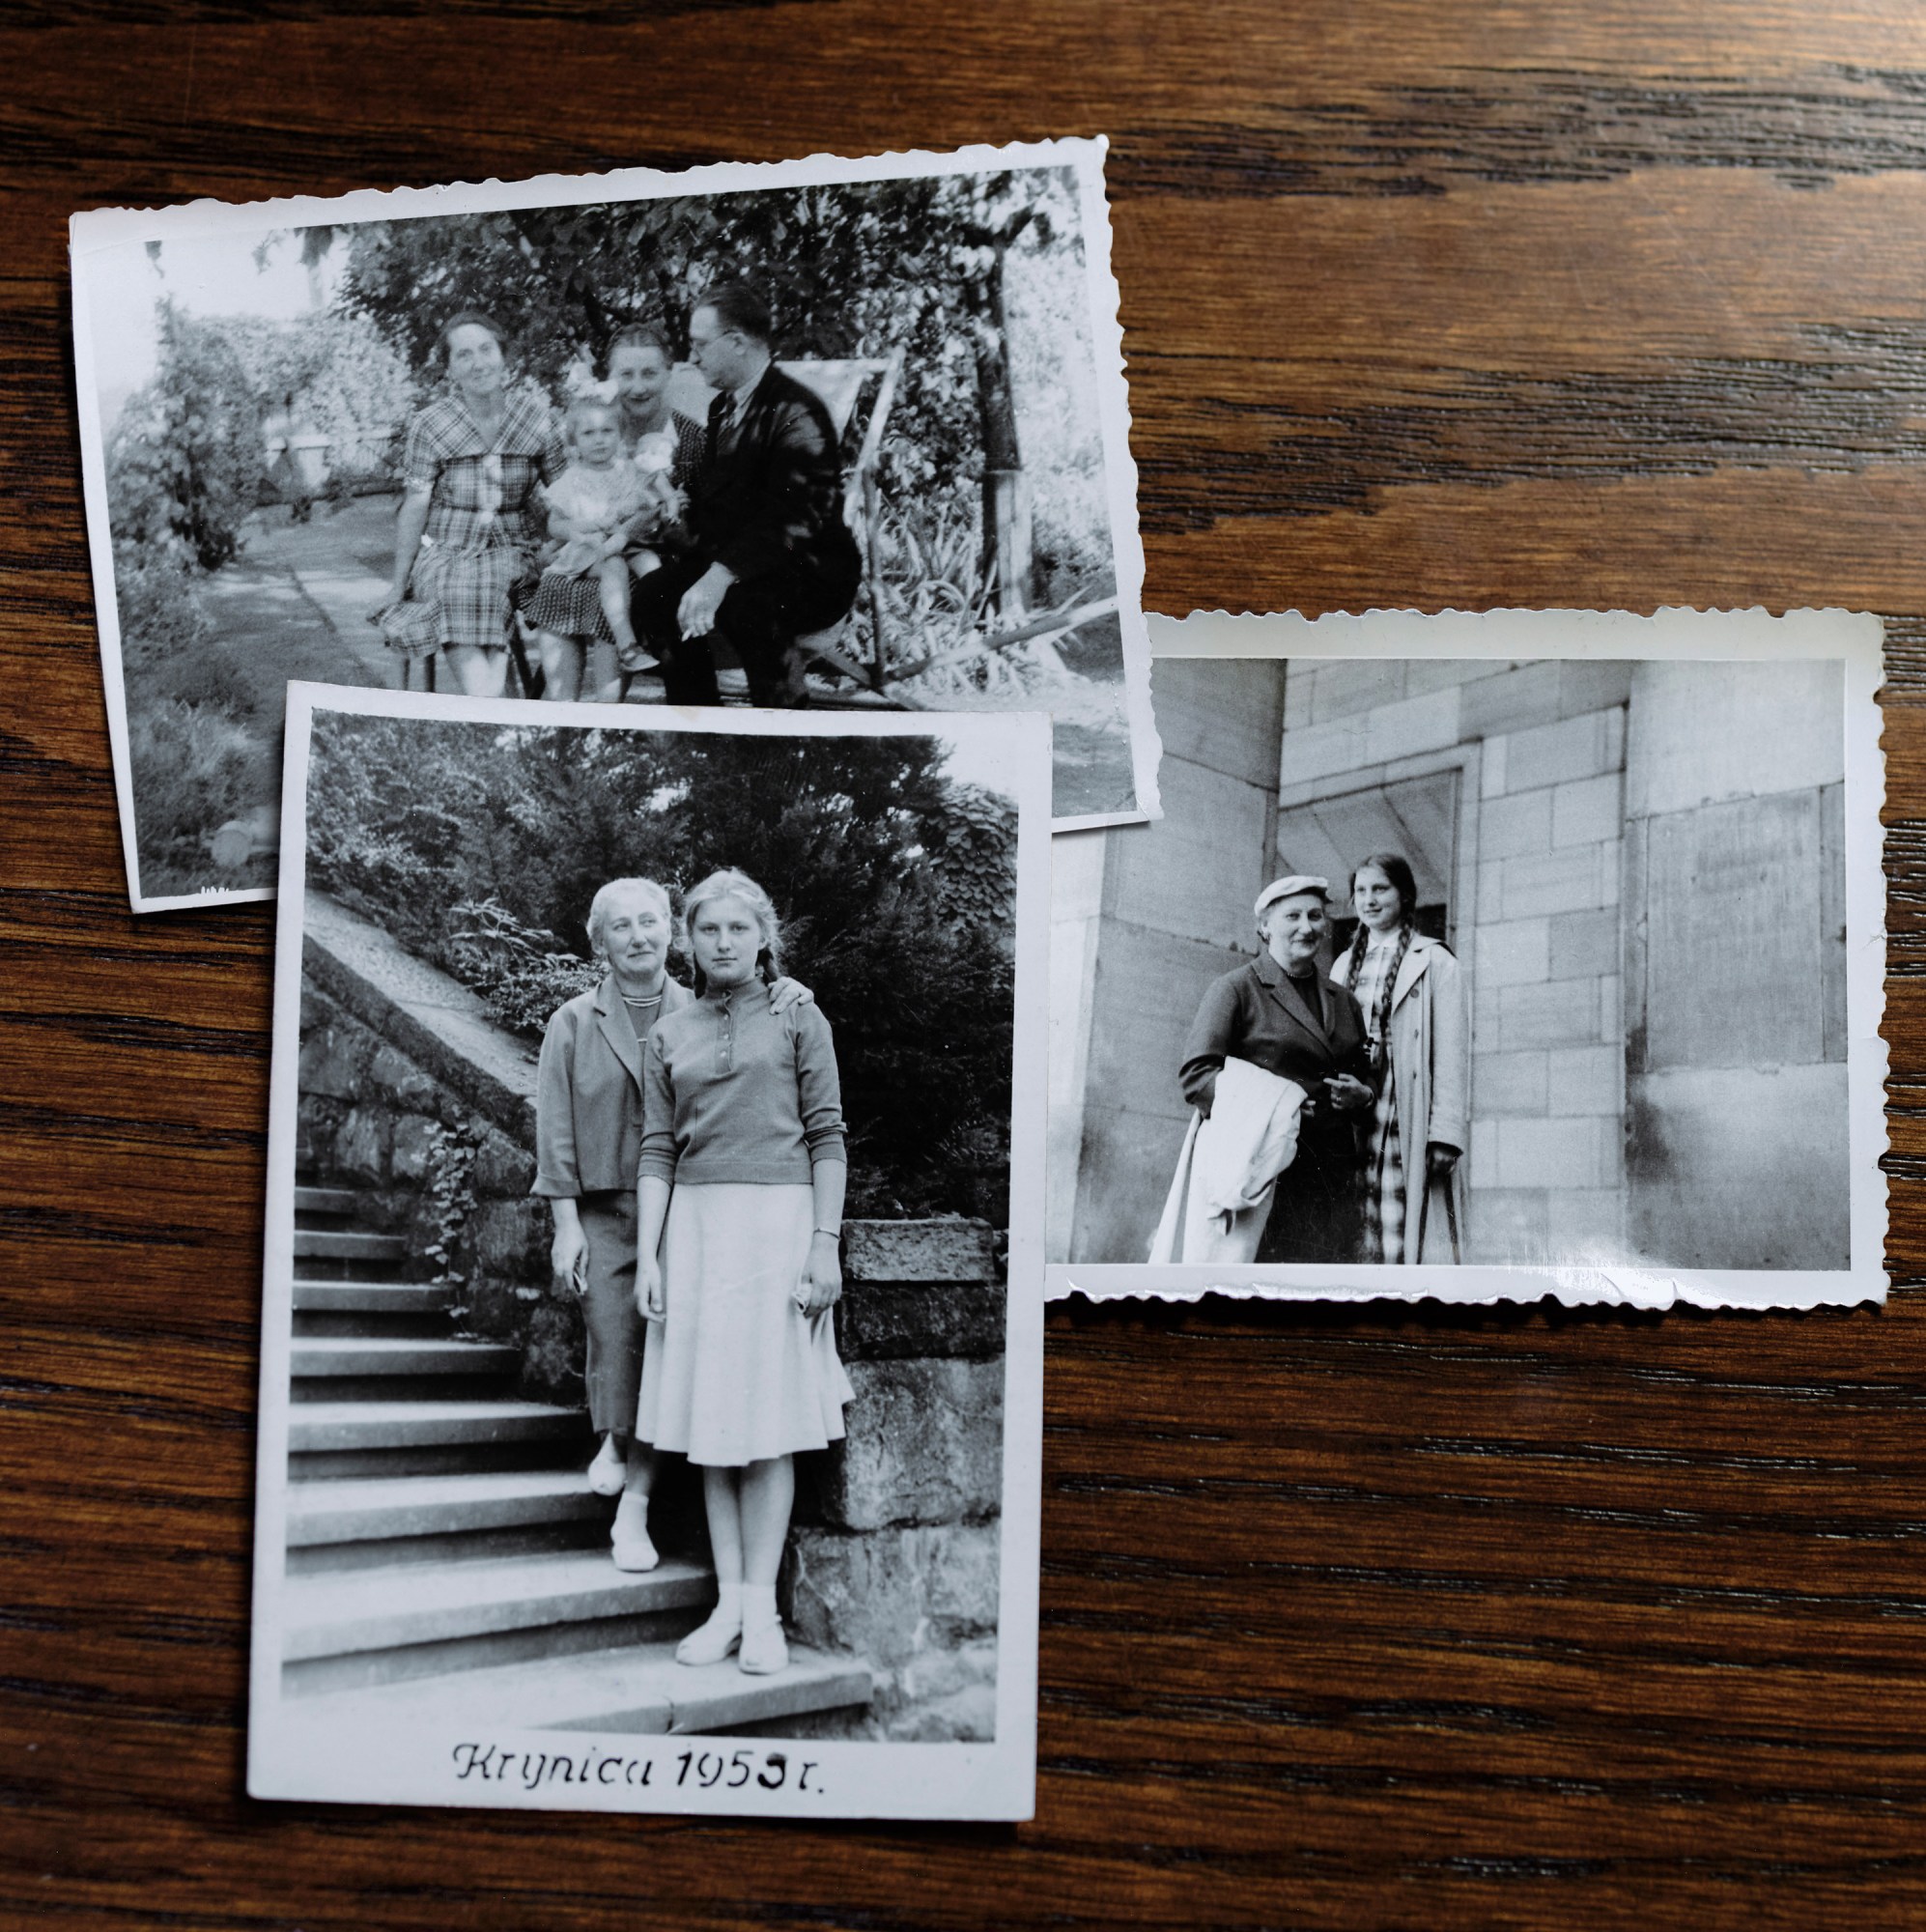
x=610, y=1470
x=765, y=1650
x=629, y=1540
x=712, y=1641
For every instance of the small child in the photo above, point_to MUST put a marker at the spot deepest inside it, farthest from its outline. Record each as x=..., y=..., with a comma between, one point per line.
x=597, y=506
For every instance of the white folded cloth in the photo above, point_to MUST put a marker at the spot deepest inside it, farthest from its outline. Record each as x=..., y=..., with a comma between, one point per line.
x=1220, y=1194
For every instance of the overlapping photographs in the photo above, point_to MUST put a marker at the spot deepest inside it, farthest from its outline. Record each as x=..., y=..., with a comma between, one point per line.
x=849, y=434
x=651, y=1381
x=1483, y=957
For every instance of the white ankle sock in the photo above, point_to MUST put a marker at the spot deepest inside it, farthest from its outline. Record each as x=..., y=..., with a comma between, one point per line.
x=758, y=1605
x=728, y=1610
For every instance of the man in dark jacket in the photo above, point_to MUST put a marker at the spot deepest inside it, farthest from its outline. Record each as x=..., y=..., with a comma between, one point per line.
x=767, y=555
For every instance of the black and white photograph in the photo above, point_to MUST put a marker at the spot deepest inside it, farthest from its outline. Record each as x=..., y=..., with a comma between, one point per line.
x=1480, y=958
x=828, y=434
x=651, y=1355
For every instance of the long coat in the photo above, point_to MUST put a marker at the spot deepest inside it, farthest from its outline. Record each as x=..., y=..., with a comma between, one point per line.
x=1430, y=1063
x=1258, y=1013
x=588, y=1094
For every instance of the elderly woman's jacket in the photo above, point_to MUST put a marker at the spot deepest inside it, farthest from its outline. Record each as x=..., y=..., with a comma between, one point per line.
x=1259, y=1014
x=589, y=1094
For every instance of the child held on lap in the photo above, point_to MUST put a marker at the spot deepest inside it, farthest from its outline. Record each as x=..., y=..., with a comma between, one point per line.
x=599, y=506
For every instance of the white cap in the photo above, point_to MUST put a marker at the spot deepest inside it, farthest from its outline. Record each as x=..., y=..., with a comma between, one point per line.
x=1290, y=886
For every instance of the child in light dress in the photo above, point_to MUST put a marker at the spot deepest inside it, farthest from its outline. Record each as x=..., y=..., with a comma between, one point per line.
x=598, y=506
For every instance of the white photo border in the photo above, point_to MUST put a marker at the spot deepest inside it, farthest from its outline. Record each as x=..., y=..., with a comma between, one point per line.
x=994, y=1780
x=1855, y=640
x=96, y=230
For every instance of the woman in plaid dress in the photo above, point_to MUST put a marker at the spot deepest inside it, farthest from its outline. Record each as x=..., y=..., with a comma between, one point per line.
x=468, y=523
x=1412, y=996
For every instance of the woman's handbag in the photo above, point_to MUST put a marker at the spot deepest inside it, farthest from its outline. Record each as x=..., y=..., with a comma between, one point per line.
x=411, y=627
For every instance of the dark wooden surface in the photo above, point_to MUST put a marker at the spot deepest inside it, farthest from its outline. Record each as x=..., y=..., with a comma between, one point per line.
x=1404, y=1619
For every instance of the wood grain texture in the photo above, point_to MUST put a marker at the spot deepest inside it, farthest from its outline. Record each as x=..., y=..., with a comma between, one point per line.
x=1397, y=1618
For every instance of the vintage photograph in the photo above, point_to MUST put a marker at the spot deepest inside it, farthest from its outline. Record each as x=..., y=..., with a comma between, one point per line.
x=656, y=1144
x=842, y=434
x=1546, y=960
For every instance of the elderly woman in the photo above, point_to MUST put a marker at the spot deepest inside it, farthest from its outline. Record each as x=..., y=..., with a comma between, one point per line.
x=1277, y=1013
x=589, y=1142
x=1412, y=996
x=471, y=518
x=742, y=1174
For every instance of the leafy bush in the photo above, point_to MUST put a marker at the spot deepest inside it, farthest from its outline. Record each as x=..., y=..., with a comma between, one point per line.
x=184, y=457
x=195, y=766
x=480, y=847
x=523, y=972
x=330, y=373
x=168, y=648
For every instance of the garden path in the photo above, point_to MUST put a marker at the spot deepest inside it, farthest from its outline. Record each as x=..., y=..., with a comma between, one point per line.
x=295, y=603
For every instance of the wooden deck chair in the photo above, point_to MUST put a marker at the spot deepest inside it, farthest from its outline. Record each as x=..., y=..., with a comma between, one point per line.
x=840, y=386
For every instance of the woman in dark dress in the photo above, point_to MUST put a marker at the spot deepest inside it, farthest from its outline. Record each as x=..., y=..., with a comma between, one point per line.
x=1283, y=1015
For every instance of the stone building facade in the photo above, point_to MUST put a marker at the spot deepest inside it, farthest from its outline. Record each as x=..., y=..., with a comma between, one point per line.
x=1640, y=865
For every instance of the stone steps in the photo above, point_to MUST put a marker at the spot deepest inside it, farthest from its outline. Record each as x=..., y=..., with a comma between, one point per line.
x=371, y=1611
x=372, y=1297
x=412, y=1355
x=315, y=1425
x=314, y=1203
x=365, y=1510
x=347, y=1244
x=642, y=1691
x=443, y=1559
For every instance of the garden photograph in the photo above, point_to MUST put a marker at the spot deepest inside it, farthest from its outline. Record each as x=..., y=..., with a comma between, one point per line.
x=357, y=453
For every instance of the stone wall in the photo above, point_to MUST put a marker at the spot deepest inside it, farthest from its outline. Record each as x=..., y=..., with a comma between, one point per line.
x=895, y=1555
x=1535, y=853
x=1737, y=1135
x=1143, y=919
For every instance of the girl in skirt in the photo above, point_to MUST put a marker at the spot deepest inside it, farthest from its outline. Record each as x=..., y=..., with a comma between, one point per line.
x=743, y=1169
x=598, y=506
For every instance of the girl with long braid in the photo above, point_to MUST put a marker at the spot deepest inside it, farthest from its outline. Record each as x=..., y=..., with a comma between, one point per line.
x=1411, y=991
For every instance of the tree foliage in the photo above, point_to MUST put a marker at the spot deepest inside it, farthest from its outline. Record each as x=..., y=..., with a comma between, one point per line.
x=185, y=459
x=480, y=848
x=853, y=270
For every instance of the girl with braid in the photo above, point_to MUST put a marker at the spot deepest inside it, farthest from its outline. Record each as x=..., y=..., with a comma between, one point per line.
x=1412, y=995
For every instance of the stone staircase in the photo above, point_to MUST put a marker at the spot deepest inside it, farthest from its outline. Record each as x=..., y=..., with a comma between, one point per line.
x=445, y=1557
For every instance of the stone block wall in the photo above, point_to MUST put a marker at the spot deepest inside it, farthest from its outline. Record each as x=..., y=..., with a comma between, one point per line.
x=1534, y=904
x=894, y=1554
x=1142, y=921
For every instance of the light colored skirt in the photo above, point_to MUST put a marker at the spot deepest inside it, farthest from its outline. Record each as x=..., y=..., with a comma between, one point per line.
x=735, y=1371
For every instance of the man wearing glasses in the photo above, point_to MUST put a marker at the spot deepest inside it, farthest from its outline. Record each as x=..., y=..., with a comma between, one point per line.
x=768, y=555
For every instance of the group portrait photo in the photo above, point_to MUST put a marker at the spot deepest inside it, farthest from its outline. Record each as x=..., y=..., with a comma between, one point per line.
x=638, y=1356
x=849, y=442
x=1503, y=963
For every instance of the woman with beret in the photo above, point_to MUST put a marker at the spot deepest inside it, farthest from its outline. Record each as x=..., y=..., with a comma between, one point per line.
x=469, y=521
x=1411, y=993
x=1279, y=1013
x=588, y=1143
x=742, y=1174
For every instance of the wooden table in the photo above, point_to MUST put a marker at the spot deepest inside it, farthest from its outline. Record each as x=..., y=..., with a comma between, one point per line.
x=1391, y=1618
